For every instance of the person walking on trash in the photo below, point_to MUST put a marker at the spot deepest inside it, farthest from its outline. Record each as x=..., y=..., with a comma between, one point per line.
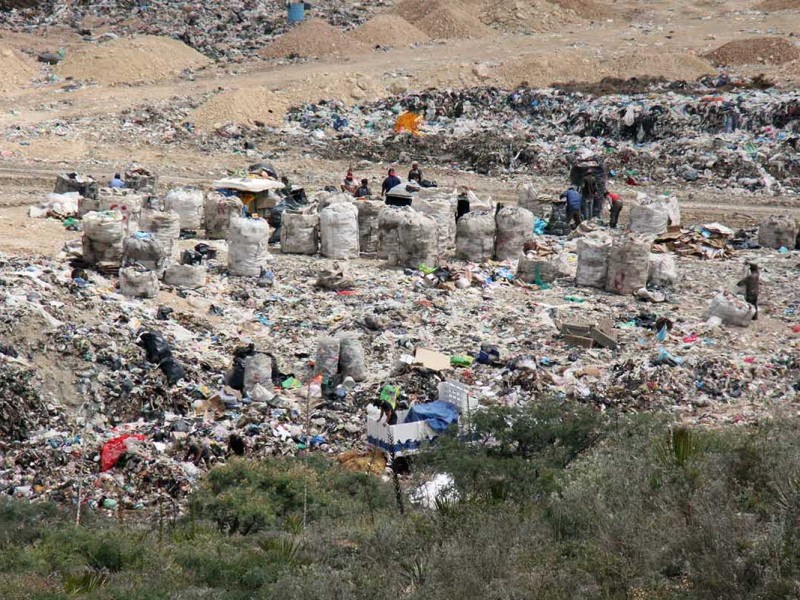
x=574, y=205
x=391, y=181
x=751, y=284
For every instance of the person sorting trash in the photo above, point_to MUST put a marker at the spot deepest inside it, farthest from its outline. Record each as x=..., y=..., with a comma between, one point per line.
x=615, y=203
x=574, y=204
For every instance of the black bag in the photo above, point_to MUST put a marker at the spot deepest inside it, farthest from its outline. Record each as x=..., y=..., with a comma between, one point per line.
x=156, y=348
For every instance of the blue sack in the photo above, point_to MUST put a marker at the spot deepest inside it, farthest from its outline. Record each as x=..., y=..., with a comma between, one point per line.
x=439, y=415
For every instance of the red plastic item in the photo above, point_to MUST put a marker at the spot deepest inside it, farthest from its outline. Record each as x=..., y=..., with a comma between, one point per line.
x=114, y=448
x=750, y=360
x=796, y=328
x=690, y=339
x=346, y=293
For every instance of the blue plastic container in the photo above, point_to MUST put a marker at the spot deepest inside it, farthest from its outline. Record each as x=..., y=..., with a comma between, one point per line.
x=297, y=12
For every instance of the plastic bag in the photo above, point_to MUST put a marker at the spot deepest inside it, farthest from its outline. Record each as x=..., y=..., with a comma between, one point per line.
x=338, y=225
x=138, y=284
x=218, y=211
x=188, y=203
x=417, y=241
x=247, y=249
x=144, y=249
x=186, y=276
x=663, y=271
x=514, y=228
x=475, y=237
x=327, y=359
x=257, y=371
x=114, y=448
x=351, y=358
x=156, y=347
x=299, y=233
x=628, y=264
x=730, y=310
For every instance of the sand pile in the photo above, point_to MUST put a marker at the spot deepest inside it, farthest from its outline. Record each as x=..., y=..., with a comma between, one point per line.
x=673, y=67
x=246, y=106
x=764, y=50
x=389, y=30
x=16, y=70
x=576, y=66
x=131, y=60
x=776, y=5
x=313, y=38
x=521, y=16
x=542, y=71
x=260, y=105
x=443, y=19
x=588, y=9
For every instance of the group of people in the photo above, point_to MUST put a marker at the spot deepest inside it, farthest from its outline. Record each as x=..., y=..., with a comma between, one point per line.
x=578, y=208
x=361, y=190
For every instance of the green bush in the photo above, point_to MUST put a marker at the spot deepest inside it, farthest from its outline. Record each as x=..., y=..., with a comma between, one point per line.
x=249, y=496
x=556, y=503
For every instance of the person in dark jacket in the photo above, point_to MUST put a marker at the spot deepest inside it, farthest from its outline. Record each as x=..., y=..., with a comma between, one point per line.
x=415, y=174
x=363, y=190
x=391, y=181
x=574, y=204
x=751, y=284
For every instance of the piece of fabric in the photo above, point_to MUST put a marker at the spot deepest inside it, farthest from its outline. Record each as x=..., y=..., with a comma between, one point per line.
x=439, y=415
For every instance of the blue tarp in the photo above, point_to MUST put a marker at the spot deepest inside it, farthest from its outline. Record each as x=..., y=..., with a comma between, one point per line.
x=439, y=415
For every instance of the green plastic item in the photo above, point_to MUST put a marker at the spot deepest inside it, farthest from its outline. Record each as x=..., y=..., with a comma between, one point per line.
x=461, y=361
x=426, y=269
x=576, y=299
x=290, y=383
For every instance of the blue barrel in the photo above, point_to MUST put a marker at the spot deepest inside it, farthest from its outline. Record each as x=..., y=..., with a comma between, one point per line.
x=297, y=11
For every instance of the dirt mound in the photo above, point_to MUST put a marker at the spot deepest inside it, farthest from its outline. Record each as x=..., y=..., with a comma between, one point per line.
x=389, y=30
x=776, y=5
x=443, y=19
x=672, y=67
x=249, y=106
x=245, y=106
x=588, y=9
x=518, y=16
x=542, y=71
x=763, y=50
x=131, y=60
x=16, y=70
x=313, y=38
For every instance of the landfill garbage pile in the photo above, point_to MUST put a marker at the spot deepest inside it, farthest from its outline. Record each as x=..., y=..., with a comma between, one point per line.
x=746, y=140
x=232, y=31
x=122, y=403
